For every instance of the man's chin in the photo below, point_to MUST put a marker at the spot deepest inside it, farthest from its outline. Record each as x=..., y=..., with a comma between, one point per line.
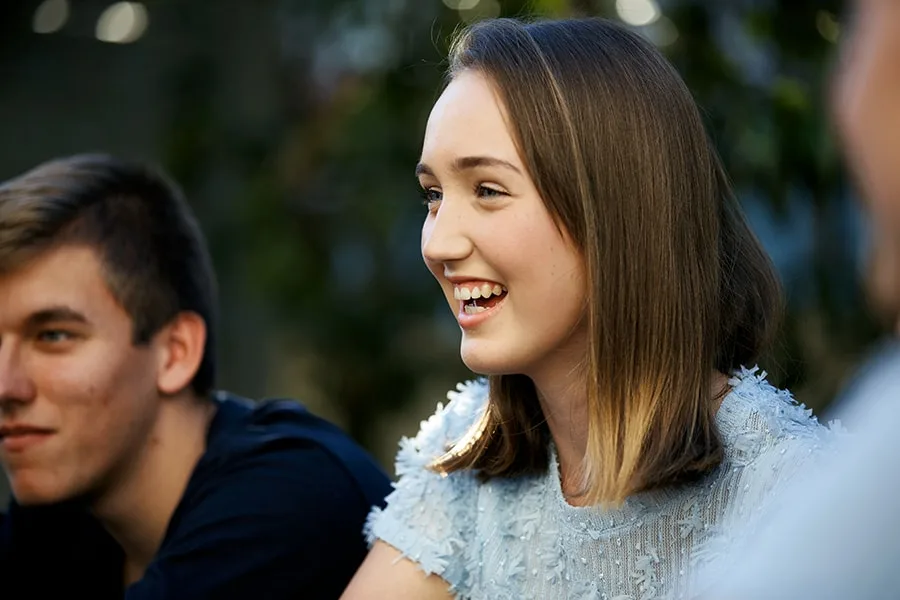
x=32, y=493
x=30, y=498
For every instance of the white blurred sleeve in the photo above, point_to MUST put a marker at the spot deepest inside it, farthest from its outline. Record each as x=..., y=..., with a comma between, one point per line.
x=837, y=533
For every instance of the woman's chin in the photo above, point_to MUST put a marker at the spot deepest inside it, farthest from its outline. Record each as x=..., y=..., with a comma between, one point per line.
x=485, y=361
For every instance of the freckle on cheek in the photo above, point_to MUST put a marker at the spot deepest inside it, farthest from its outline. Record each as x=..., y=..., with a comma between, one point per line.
x=92, y=391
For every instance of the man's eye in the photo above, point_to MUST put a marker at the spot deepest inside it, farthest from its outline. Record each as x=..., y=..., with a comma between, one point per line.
x=54, y=335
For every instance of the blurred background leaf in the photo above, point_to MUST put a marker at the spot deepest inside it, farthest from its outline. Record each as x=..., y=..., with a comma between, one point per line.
x=294, y=126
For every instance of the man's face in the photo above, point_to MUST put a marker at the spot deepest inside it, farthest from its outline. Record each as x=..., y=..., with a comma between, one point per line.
x=867, y=109
x=77, y=398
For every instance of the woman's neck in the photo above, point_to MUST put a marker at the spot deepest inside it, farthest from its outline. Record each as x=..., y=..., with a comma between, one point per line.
x=564, y=404
x=565, y=407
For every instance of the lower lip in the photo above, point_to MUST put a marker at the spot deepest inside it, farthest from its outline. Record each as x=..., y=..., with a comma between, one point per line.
x=467, y=321
x=21, y=442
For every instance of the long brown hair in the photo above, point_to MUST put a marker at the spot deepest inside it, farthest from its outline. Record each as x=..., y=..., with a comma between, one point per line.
x=677, y=283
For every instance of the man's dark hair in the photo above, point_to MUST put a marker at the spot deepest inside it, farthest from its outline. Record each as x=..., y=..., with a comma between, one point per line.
x=154, y=255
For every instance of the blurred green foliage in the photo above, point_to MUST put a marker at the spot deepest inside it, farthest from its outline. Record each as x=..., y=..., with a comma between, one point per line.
x=313, y=213
x=330, y=223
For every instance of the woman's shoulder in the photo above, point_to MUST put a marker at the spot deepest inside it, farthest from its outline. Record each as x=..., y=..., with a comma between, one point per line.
x=770, y=439
x=449, y=423
x=756, y=417
x=429, y=516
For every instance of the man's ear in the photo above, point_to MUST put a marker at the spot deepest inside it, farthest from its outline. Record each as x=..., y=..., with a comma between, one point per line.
x=181, y=345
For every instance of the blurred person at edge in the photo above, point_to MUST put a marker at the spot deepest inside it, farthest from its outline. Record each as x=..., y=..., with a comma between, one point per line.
x=132, y=477
x=838, y=535
x=605, y=281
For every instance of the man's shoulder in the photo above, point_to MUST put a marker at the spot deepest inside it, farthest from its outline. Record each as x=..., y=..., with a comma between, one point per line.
x=275, y=507
x=271, y=425
x=281, y=434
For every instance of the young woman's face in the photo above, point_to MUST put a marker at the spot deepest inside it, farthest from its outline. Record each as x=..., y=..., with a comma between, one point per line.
x=515, y=282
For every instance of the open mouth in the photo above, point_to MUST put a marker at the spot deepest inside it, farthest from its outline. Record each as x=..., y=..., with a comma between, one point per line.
x=479, y=298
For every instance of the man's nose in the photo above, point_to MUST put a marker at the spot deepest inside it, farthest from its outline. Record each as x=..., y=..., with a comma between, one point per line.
x=16, y=386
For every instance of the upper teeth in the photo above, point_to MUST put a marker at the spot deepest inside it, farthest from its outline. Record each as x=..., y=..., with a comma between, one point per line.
x=479, y=291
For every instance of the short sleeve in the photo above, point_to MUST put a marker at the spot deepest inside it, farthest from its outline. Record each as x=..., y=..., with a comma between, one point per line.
x=429, y=517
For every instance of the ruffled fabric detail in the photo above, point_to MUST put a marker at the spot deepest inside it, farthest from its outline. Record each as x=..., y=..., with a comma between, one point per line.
x=773, y=440
x=518, y=538
x=429, y=516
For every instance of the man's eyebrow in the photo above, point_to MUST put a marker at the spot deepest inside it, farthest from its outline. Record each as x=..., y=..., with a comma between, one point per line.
x=55, y=314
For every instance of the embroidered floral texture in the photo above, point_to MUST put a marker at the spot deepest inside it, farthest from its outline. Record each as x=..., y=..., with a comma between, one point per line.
x=519, y=538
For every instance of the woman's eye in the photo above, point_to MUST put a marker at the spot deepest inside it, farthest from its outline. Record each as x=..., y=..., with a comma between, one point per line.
x=431, y=194
x=430, y=197
x=483, y=191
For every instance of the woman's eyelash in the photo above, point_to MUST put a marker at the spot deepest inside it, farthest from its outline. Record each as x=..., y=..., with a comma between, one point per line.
x=428, y=195
x=484, y=190
x=431, y=195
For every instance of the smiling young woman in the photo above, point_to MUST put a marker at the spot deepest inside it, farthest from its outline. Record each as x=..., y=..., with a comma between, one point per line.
x=604, y=280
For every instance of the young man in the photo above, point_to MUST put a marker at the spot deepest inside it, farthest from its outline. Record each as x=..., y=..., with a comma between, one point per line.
x=838, y=535
x=131, y=477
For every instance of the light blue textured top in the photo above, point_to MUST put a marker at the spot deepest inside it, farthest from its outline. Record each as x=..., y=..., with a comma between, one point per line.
x=838, y=526
x=518, y=538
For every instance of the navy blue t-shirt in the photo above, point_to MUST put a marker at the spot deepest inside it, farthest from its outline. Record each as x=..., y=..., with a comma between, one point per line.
x=274, y=509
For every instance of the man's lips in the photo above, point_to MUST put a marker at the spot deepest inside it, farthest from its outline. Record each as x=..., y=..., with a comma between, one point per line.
x=11, y=431
x=18, y=438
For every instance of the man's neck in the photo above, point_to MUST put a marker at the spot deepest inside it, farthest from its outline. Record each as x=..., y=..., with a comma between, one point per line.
x=137, y=511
